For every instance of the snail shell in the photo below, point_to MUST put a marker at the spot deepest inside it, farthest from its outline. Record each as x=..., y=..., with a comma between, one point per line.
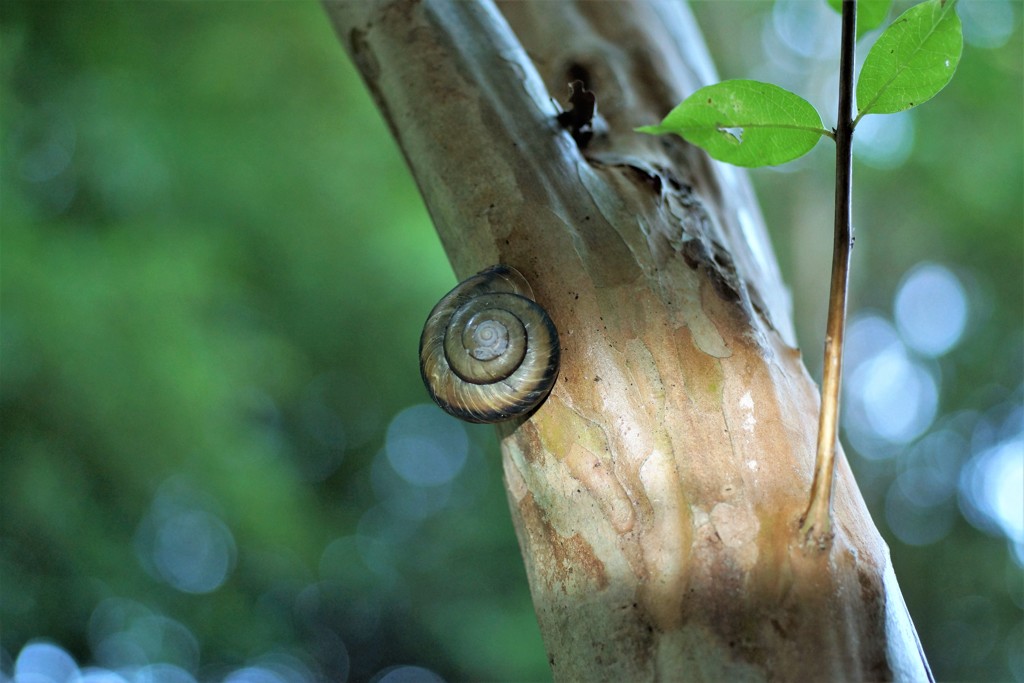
x=489, y=353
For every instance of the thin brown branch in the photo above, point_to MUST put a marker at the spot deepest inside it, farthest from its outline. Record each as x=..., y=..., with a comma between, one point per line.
x=816, y=527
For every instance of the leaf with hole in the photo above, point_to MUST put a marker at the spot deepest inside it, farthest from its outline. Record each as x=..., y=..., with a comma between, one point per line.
x=912, y=60
x=746, y=123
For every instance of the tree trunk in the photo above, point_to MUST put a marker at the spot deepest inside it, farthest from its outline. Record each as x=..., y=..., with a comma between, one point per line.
x=657, y=493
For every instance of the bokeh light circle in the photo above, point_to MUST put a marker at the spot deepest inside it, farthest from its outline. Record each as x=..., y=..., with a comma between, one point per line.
x=42, y=662
x=931, y=309
x=425, y=446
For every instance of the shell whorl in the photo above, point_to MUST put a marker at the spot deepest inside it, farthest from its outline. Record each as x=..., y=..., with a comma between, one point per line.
x=488, y=352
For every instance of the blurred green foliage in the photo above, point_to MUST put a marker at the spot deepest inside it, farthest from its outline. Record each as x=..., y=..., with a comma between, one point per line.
x=214, y=272
x=209, y=241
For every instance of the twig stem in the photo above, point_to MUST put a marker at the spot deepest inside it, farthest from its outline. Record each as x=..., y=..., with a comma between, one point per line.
x=816, y=527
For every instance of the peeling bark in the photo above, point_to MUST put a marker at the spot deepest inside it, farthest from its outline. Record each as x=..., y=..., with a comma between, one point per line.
x=657, y=493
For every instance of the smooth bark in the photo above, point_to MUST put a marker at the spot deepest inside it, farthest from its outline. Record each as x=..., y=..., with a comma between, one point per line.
x=657, y=494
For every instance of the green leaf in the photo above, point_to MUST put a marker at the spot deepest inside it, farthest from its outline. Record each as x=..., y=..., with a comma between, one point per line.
x=913, y=59
x=870, y=13
x=746, y=123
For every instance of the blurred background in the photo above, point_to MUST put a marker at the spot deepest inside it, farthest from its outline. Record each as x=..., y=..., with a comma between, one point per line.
x=218, y=461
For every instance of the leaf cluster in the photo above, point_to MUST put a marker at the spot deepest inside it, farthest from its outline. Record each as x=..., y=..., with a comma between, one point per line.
x=750, y=123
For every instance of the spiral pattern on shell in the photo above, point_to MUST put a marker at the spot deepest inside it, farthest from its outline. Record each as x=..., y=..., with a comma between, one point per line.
x=488, y=352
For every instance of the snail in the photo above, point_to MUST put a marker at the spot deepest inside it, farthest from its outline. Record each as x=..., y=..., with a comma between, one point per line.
x=488, y=352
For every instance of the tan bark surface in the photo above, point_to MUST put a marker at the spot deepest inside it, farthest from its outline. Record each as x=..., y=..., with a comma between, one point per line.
x=658, y=492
